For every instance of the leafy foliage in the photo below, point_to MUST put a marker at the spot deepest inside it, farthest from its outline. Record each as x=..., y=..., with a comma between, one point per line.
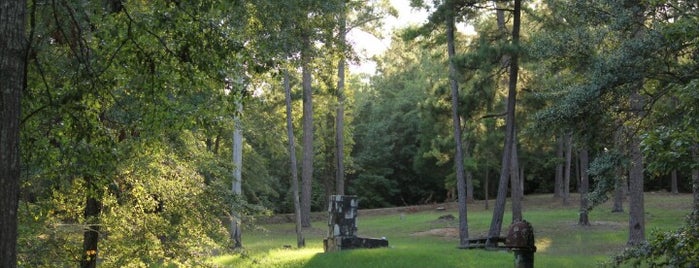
x=679, y=248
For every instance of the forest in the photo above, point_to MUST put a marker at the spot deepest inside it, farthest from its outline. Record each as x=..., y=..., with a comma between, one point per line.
x=138, y=133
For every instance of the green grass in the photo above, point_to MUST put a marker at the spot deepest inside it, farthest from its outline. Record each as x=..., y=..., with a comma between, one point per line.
x=560, y=241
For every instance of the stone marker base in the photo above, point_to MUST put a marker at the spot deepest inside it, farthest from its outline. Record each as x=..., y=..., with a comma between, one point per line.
x=331, y=244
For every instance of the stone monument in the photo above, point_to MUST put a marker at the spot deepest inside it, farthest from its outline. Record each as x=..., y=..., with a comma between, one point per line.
x=342, y=226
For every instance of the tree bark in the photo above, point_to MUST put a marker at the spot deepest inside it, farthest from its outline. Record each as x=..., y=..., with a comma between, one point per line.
x=307, y=168
x=340, y=118
x=237, y=185
x=93, y=208
x=636, y=207
x=558, y=182
x=584, y=187
x=568, y=165
x=12, y=82
x=456, y=120
x=499, y=210
x=673, y=182
x=300, y=241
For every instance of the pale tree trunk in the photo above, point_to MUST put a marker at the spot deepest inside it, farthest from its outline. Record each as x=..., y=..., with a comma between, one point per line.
x=12, y=82
x=237, y=185
x=307, y=162
x=499, y=210
x=515, y=185
x=340, y=118
x=673, y=182
x=568, y=165
x=458, y=158
x=584, y=186
x=558, y=182
x=636, y=207
x=300, y=241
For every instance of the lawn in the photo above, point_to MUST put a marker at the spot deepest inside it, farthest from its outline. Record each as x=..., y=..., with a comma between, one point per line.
x=420, y=239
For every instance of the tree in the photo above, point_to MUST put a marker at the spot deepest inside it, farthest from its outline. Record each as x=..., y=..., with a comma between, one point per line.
x=340, y=117
x=499, y=209
x=300, y=241
x=636, y=207
x=13, y=72
x=458, y=157
x=236, y=186
x=307, y=160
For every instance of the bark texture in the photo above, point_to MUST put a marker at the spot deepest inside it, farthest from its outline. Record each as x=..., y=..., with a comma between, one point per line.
x=12, y=82
x=93, y=208
x=636, y=207
x=307, y=162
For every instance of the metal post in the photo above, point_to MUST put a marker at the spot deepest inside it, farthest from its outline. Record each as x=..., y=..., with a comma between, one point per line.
x=520, y=239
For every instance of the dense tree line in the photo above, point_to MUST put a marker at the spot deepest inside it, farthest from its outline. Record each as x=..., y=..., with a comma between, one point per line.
x=132, y=114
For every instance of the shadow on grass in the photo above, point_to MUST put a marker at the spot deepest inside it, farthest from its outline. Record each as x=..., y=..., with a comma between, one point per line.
x=422, y=255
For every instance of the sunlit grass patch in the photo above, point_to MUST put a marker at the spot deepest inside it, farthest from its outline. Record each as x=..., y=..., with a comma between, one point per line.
x=560, y=241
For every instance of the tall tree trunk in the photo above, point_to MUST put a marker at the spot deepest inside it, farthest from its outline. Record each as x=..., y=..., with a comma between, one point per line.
x=93, y=208
x=237, y=185
x=340, y=118
x=307, y=168
x=499, y=210
x=456, y=120
x=568, y=165
x=300, y=241
x=584, y=187
x=558, y=182
x=12, y=82
x=673, y=182
x=636, y=207
x=516, y=191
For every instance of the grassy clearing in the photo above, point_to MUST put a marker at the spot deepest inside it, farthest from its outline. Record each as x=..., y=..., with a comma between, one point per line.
x=421, y=240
